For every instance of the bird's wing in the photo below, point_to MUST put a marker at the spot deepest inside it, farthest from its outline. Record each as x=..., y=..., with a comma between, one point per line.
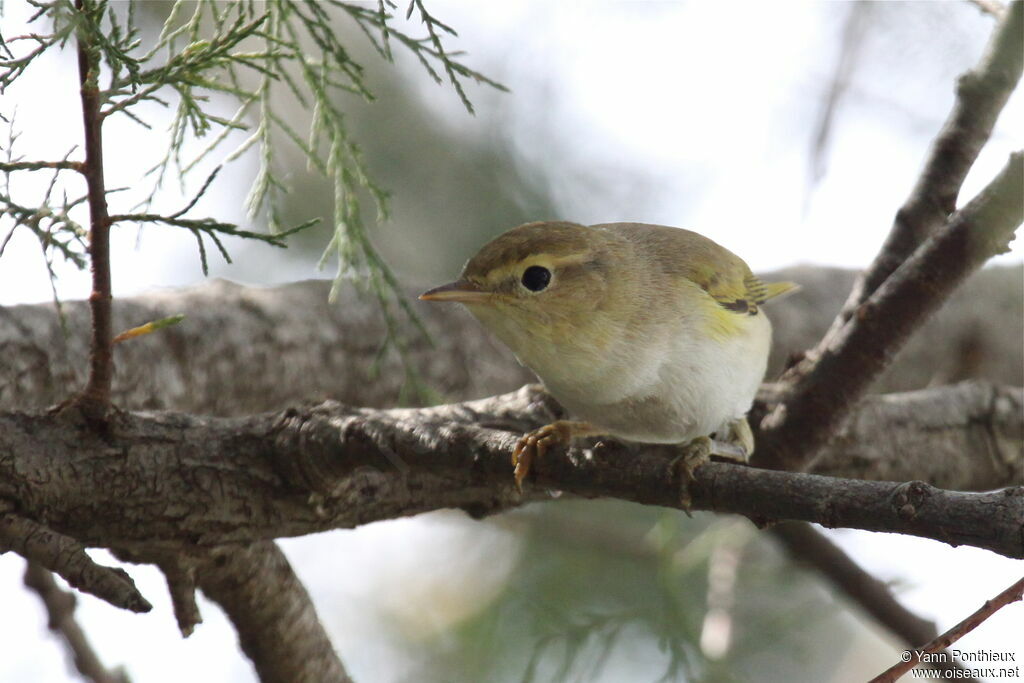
x=715, y=269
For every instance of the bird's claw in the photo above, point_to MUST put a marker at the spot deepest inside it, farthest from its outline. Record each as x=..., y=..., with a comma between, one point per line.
x=694, y=454
x=533, y=445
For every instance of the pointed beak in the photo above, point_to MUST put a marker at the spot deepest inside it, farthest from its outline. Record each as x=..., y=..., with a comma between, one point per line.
x=460, y=291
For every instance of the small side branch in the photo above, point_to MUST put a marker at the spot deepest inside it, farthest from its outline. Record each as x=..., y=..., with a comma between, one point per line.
x=181, y=584
x=1011, y=594
x=8, y=167
x=60, y=612
x=67, y=557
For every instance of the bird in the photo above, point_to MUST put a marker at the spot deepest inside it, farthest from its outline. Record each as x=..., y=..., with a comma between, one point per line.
x=645, y=333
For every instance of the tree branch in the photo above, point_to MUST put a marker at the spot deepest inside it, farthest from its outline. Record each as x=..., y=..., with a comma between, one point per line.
x=277, y=625
x=807, y=546
x=1011, y=594
x=821, y=398
x=8, y=167
x=313, y=469
x=209, y=364
x=95, y=400
x=967, y=437
x=918, y=261
x=981, y=95
x=67, y=557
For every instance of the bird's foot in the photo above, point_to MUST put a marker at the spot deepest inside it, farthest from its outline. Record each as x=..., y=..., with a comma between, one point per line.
x=694, y=454
x=738, y=444
x=533, y=445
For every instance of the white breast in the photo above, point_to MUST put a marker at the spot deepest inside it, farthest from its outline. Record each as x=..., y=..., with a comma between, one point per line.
x=669, y=390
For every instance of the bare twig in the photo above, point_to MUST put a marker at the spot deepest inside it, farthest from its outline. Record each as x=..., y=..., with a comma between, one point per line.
x=67, y=557
x=60, y=612
x=854, y=30
x=1011, y=594
x=95, y=400
x=7, y=167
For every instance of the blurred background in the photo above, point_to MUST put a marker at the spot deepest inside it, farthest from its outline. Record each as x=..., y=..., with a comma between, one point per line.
x=788, y=132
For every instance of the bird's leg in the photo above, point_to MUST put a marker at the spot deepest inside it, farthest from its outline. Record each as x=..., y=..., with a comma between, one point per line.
x=533, y=445
x=738, y=441
x=693, y=455
x=737, y=445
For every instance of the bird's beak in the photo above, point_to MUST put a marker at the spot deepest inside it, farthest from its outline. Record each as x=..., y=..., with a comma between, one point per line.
x=461, y=291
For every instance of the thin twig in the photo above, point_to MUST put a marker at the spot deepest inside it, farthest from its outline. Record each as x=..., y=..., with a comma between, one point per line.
x=1011, y=594
x=60, y=612
x=95, y=400
x=810, y=547
x=42, y=165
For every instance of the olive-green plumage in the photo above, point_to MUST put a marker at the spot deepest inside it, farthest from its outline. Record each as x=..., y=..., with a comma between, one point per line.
x=646, y=332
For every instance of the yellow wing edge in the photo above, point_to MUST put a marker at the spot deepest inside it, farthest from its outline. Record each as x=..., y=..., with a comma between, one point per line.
x=761, y=291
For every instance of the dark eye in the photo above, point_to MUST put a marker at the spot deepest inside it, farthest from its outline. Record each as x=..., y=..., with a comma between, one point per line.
x=536, y=278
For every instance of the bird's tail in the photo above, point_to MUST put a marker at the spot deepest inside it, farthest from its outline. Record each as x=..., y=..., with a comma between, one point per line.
x=774, y=289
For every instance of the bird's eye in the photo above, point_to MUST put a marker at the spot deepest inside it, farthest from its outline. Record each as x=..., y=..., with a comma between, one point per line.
x=536, y=278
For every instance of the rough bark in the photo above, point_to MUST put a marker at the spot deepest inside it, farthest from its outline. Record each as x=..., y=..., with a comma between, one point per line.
x=161, y=482
x=282, y=636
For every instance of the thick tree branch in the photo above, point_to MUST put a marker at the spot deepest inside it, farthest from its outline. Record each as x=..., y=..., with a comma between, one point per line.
x=822, y=396
x=930, y=250
x=967, y=437
x=158, y=481
x=277, y=626
x=60, y=613
x=243, y=350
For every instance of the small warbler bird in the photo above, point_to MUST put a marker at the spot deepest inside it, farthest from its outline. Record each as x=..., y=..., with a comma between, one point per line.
x=643, y=332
